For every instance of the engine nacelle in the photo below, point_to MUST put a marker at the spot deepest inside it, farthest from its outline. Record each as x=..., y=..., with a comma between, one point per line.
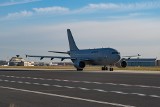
x=121, y=64
x=79, y=64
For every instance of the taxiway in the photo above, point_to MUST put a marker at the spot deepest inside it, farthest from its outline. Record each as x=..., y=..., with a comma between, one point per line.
x=78, y=89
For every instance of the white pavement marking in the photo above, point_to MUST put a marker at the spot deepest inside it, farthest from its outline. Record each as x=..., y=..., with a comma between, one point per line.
x=20, y=82
x=100, y=90
x=12, y=81
x=156, y=96
x=27, y=82
x=35, y=78
x=36, y=83
x=46, y=85
x=119, y=92
x=68, y=97
x=57, y=86
x=41, y=78
x=83, y=88
x=6, y=80
x=127, y=85
x=68, y=87
x=75, y=81
x=139, y=94
x=66, y=80
x=111, y=84
x=97, y=83
x=87, y=89
x=88, y=82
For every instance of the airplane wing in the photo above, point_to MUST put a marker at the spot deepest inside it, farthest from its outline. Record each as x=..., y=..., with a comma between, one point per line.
x=59, y=52
x=52, y=57
x=129, y=57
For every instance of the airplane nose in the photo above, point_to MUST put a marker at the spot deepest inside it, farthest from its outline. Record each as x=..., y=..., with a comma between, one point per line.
x=118, y=57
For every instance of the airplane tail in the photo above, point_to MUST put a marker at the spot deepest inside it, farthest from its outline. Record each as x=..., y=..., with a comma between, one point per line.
x=72, y=43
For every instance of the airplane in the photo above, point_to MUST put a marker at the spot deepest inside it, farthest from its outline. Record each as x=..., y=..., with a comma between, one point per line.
x=107, y=57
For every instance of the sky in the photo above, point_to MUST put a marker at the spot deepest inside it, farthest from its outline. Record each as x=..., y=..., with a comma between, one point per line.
x=38, y=26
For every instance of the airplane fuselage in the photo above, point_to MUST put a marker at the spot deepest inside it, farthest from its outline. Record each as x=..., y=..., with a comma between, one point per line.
x=100, y=56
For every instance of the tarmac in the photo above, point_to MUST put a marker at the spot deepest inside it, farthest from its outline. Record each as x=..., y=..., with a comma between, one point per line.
x=69, y=88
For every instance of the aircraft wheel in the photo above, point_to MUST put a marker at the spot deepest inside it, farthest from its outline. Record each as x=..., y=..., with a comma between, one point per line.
x=111, y=69
x=106, y=68
x=103, y=68
x=79, y=69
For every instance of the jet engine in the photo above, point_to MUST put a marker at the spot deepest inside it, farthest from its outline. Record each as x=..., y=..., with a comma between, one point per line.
x=79, y=65
x=121, y=64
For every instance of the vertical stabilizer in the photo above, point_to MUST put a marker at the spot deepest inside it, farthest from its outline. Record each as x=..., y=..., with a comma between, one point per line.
x=72, y=44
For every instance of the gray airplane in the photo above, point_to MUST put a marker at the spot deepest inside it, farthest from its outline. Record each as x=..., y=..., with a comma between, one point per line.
x=107, y=57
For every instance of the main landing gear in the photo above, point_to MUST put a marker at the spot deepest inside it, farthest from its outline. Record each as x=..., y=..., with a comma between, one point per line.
x=106, y=68
x=79, y=69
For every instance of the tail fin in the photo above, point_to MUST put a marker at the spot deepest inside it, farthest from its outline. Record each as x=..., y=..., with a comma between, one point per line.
x=72, y=43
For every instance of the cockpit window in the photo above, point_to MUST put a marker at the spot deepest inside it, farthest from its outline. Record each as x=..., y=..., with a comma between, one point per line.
x=115, y=53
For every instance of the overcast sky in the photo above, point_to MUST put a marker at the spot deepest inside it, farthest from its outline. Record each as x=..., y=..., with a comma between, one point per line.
x=36, y=26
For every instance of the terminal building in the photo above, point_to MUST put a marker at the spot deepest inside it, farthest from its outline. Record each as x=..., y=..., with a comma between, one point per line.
x=146, y=62
x=19, y=61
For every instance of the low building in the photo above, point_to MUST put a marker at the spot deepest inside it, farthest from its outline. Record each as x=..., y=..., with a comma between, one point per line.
x=142, y=62
x=19, y=61
x=61, y=63
x=3, y=63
